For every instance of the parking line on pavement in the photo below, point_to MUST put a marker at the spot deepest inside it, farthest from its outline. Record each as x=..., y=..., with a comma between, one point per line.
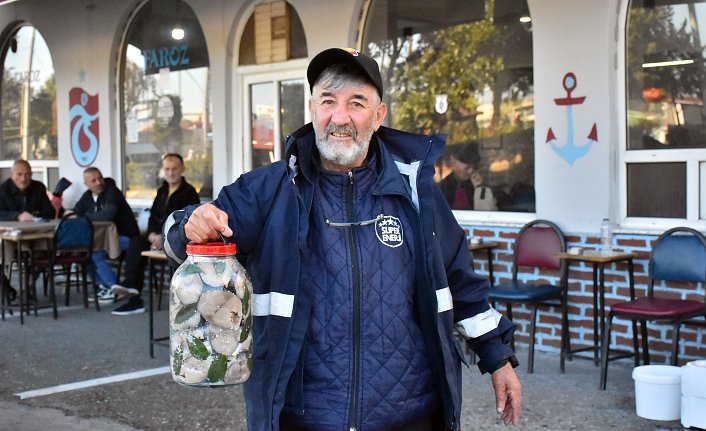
x=93, y=382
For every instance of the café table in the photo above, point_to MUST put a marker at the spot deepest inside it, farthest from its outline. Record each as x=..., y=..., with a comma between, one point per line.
x=22, y=238
x=488, y=246
x=598, y=261
x=154, y=258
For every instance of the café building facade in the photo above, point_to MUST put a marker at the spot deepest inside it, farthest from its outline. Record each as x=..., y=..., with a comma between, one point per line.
x=574, y=111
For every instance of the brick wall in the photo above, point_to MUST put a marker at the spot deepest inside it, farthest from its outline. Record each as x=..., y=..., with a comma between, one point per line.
x=692, y=343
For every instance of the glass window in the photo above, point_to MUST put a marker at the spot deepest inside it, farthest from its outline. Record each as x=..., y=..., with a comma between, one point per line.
x=28, y=98
x=657, y=190
x=166, y=99
x=273, y=33
x=665, y=85
x=463, y=69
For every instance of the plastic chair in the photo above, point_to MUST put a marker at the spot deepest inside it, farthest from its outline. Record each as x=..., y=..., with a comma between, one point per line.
x=72, y=246
x=679, y=254
x=537, y=246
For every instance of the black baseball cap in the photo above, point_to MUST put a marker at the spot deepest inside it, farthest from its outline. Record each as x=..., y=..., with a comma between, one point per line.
x=350, y=56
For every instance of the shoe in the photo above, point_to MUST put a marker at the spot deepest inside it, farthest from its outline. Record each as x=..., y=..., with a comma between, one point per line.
x=10, y=295
x=133, y=306
x=105, y=295
x=119, y=290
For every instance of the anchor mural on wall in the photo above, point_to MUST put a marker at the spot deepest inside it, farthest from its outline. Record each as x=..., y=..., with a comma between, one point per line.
x=570, y=151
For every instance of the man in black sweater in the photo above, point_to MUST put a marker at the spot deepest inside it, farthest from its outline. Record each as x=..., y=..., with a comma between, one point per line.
x=104, y=201
x=23, y=199
x=174, y=194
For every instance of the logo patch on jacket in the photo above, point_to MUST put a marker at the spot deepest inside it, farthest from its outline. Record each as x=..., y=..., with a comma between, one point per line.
x=389, y=231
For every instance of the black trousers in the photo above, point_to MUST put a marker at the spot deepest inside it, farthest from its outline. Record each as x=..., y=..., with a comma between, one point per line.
x=135, y=263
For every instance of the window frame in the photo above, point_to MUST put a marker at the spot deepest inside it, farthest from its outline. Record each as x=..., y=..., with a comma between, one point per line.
x=694, y=158
x=257, y=74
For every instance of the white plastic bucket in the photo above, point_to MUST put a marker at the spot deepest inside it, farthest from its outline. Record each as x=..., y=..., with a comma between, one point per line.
x=693, y=394
x=657, y=392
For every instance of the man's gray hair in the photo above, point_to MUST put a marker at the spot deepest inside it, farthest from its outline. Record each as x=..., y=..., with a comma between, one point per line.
x=343, y=77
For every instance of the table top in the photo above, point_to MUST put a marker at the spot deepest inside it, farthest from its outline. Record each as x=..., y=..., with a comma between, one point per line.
x=485, y=245
x=155, y=254
x=105, y=234
x=593, y=255
x=28, y=226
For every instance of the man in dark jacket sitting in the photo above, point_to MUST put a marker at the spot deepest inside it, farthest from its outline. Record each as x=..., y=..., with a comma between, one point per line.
x=174, y=194
x=103, y=201
x=23, y=199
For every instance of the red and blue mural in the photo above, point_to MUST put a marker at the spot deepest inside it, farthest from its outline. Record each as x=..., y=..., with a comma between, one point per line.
x=84, y=116
x=571, y=151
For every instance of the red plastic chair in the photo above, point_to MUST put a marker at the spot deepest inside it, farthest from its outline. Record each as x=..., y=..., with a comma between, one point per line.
x=679, y=254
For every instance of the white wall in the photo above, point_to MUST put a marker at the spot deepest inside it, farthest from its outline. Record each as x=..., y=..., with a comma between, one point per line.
x=575, y=36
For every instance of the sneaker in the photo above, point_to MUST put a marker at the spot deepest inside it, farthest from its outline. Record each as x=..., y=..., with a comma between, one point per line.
x=105, y=295
x=133, y=306
x=120, y=290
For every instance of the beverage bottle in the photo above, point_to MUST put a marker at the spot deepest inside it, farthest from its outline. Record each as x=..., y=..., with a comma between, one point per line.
x=606, y=237
x=210, y=318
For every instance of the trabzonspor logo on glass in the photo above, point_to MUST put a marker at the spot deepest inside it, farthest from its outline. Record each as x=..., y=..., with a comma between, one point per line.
x=389, y=231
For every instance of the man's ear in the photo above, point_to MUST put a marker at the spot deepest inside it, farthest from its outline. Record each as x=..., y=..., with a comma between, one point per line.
x=380, y=114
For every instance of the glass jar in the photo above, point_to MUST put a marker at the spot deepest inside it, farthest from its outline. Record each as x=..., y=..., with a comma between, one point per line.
x=210, y=318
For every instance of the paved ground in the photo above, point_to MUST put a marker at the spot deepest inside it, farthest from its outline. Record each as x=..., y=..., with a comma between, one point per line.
x=84, y=344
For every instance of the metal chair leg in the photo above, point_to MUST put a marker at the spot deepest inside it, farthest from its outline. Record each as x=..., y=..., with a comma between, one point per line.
x=605, y=351
x=533, y=327
x=645, y=343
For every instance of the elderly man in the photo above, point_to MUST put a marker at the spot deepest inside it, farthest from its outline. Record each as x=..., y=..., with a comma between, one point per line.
x=23, y=199
x=104, y=201
x=174, y=194
x=359, y=269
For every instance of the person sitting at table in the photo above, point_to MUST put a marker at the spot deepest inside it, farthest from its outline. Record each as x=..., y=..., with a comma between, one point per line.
x=174, y=194
x=103, y=201
x=23, y=199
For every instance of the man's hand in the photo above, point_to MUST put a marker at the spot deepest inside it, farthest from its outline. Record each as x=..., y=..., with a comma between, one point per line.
x=205, y=223
x=508, y=394
x=25, y=216
x=155, y=240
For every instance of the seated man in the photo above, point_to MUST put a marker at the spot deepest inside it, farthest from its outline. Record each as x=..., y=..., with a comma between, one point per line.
x=104, y=201
x=174, y=194
x=23, y=199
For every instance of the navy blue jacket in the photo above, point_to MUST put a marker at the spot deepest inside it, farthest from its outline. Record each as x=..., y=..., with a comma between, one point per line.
x=269, y=212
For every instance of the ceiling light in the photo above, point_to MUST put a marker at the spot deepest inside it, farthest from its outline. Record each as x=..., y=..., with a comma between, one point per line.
x=667, y=63
x=525, y=18
x=177, y=33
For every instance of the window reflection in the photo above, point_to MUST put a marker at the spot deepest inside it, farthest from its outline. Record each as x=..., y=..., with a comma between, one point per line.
x=465, y=72
x=28, y=99
x=665, y=86
x=167, y=106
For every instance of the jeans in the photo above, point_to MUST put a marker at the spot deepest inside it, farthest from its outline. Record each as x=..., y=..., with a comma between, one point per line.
x=102, y=271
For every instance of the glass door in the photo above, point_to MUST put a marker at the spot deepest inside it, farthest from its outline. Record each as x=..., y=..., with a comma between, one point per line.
x=275, y=106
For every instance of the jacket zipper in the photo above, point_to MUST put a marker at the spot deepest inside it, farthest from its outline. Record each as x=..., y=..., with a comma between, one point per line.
x=353, y=418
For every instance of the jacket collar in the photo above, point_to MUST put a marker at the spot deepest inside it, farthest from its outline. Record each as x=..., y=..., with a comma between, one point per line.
x=391, y=146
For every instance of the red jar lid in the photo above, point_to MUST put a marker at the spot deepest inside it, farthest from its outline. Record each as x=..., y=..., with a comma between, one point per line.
x=210, y=249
